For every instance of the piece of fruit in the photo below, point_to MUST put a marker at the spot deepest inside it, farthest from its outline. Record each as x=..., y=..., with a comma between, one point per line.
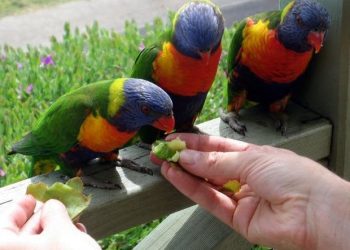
x=233, y=186
x=70, y=194
x=168, y=150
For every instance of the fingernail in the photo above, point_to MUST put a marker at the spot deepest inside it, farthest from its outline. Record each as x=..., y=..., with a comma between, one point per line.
x=171, y=137
x=189, y=157
x=164, y=168
x=81, y=227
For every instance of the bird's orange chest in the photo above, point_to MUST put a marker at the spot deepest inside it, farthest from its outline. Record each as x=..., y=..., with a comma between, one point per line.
x=266, y=57
x=99, y=135
x=180, y=74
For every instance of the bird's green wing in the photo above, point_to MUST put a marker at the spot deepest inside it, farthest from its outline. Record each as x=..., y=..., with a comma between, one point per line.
x=274, y=18
x=143, y=66
x=235, y=45
x=233, y=58
x=58, y=128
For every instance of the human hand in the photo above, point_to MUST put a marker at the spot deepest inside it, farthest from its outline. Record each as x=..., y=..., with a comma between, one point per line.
x=286, y=201
x=48, y=228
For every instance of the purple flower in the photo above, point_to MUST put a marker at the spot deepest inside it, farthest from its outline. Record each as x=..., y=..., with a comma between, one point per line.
x=141, y=46
x=19, y=66
x=2, y=172
x=3, y=57
x=29, y=89
x=46, y=61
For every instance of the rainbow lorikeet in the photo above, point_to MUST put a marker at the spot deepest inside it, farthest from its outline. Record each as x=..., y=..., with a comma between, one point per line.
x=184, y=62
x=268, y=54
x=95, y=121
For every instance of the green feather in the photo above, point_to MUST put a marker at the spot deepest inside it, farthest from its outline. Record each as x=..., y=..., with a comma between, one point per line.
x=233, y=52
x=143, y=66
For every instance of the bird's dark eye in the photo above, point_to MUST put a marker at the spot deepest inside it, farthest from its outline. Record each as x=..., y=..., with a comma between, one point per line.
x=145, y=109
x=300, y=21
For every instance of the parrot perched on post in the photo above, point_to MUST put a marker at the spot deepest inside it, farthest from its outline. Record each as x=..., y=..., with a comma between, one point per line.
x=95, y=121
x=268, y=54
x=184, y=62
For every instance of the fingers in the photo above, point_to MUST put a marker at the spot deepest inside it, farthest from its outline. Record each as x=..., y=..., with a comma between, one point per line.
x=54, y=217
x=244, y=214
x=217, y=166
x=19, y=214
x=210, y=143
x=200, y=192
x=33, y=225
x=81, y=227
x=155, y=159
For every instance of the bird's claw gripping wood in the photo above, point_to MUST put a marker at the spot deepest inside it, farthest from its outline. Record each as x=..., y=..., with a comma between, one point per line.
x=281, y=122
x=232, y=119
x=93, y=182
x=129, y=164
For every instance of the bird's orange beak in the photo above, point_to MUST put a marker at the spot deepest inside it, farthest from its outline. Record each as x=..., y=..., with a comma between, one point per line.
x=165, y=123
x=205, y=57
x=316, y=40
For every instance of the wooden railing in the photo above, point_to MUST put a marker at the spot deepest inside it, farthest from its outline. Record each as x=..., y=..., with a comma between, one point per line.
x=144, y=198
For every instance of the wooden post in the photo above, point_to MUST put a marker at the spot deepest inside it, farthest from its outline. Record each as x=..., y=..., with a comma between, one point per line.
x=328, y=79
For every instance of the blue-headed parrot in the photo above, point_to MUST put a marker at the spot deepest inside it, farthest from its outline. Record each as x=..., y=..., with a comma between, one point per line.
x=95, y=121
x=269, y=53
x=184, y=62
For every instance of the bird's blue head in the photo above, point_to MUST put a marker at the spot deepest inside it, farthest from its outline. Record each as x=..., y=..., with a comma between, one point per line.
x=144, y=104
x=197, y=29
x=304, y=25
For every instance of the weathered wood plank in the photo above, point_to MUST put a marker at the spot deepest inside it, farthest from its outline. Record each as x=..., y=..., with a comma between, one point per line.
x=328, y=81
x=144, y=198
x=192, y=228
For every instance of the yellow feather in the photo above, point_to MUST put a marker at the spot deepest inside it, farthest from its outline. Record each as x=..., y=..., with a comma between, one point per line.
x=256, y=35
x=100, y=136
x=286, y=10
x=166, y=60
x=116, y=96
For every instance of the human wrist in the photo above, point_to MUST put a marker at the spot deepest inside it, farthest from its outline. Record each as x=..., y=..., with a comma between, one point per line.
x=329, y=213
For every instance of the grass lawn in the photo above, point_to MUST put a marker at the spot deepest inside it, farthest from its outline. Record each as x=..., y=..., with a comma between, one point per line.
x=8, y=7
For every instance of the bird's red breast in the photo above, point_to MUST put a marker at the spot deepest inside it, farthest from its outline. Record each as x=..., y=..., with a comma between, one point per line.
x=183, y=75
x=97, y=134
x=266, y=57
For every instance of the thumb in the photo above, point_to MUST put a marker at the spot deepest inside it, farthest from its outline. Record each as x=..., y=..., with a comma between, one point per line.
x=218, y=166
x=54, y=216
